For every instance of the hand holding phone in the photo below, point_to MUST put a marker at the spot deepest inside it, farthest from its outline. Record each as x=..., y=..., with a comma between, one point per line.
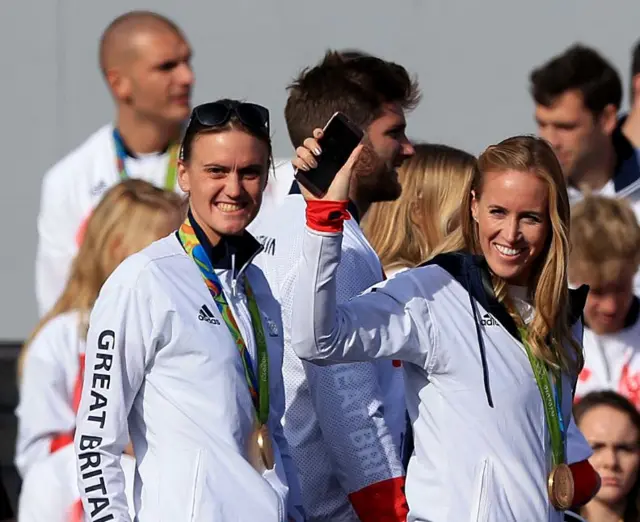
x=323, y=156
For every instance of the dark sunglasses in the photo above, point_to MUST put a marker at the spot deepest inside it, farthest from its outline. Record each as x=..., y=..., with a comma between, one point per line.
x=215, y=114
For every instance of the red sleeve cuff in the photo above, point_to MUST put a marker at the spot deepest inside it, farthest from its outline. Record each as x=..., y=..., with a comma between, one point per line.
x=381, y=502
x=586, y=482
x=327, y=216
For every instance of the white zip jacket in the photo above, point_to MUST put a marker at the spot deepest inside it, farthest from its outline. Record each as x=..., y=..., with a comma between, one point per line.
x=162, y=365
x=51, y=380
x=612, y=361
x=71, y=189
x=482, y=449
x=344, y=424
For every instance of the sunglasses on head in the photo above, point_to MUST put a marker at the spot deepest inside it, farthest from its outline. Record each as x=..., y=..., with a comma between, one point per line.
x=215, y=114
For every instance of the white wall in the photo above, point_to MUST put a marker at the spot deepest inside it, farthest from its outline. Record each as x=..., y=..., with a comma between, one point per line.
x=472, y=59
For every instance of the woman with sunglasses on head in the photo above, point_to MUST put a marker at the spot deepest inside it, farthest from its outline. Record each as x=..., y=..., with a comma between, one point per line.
x=489, y=334
x=184, y=351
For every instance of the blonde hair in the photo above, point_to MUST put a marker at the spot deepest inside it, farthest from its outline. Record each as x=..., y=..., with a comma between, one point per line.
x=131, y=216
x=605, y=239
x=403, y=232
x=549, y=333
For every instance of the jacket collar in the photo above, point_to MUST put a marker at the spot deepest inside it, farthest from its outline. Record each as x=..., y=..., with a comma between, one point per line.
x=117, y=137
x=243, y=248
x=633, y=313
x=472, y=272
x=627, y=168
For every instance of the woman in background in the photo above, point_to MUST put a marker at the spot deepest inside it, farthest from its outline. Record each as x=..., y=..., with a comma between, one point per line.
x=404, y=232
x=611, y=424
x=131, y=216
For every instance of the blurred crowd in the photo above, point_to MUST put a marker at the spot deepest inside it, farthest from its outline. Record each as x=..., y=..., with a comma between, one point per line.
x=123, y=189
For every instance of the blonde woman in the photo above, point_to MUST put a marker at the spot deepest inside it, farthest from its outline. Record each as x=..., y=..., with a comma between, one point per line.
x=405, y=231
x=132, y=215
x=489, y=334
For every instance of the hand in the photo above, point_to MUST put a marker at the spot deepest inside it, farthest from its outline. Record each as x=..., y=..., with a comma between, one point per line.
x=305, y=160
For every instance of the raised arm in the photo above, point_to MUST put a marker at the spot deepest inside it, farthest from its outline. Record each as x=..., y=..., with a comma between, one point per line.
x=391, y=320
x=350, y=410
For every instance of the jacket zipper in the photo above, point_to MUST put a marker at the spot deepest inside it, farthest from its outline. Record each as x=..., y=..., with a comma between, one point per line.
x=241, y=311
x=234, y=276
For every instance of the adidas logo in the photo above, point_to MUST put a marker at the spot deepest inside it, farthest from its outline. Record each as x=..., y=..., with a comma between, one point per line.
x=487, y=320
x=206, y=315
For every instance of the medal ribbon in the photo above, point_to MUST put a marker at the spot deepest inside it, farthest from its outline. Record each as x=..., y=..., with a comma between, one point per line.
x=258, y=387
x=121, y=155
x=551, y=400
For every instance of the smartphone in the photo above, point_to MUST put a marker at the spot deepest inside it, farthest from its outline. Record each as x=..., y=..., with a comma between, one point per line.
x=340, y=138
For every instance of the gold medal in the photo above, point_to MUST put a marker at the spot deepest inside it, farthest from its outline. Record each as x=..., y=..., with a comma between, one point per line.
x=260, y=450
x=561, y=487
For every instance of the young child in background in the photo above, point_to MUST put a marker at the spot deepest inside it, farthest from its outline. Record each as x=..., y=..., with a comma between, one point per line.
x=605, y=254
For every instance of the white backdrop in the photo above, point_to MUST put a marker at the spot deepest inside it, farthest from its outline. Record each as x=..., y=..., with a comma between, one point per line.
x=472, y=59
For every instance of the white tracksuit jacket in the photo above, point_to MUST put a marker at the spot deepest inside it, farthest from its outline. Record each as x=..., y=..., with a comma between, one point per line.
x=472, y=461
x=50, y=380
x=70, y=191
x=162, y=365
x=344, y=423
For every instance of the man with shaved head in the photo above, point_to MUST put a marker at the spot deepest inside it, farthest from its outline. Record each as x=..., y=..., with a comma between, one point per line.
x=145, y=60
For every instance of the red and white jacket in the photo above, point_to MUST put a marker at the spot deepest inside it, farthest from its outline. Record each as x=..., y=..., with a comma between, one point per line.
x=50, y=391
x=612, y=361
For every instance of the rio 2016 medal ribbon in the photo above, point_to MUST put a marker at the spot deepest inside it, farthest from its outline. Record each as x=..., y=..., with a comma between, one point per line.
x=560, y=484
x=260, y=447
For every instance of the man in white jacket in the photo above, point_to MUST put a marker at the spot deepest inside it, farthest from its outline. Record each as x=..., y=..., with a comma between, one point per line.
x=344, y=424
x=145, y=59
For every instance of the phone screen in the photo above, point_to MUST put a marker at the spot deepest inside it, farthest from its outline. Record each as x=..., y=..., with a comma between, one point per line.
x=340, y=138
